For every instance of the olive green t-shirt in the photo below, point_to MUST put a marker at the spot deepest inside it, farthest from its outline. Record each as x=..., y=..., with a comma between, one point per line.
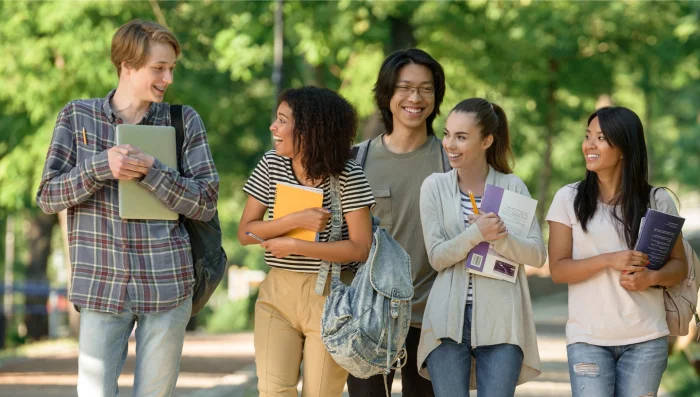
x=395, y=180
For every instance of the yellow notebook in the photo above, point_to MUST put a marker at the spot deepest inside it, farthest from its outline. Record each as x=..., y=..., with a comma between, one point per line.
x=293, y=198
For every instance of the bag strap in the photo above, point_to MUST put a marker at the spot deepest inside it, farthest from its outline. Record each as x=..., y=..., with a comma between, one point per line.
x=336, y=235
x=652, y=198
x=359, y=152
x=446, y=167
x=177, y=121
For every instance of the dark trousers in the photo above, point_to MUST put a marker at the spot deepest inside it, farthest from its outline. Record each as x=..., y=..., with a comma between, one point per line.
x=412, y=384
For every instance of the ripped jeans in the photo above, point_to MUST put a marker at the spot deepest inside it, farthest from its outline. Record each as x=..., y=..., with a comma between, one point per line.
x=621, y=371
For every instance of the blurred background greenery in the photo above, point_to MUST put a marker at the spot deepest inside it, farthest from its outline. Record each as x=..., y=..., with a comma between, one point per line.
x=549, y=64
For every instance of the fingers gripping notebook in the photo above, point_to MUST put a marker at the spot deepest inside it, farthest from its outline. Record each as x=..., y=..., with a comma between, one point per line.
x=135, y=201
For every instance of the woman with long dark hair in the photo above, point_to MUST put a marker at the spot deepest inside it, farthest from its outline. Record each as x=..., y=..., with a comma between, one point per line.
x=475, y=327
x=617, y=333
x=313, y=134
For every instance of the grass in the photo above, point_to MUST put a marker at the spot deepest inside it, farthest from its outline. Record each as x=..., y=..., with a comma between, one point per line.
x=680, y=379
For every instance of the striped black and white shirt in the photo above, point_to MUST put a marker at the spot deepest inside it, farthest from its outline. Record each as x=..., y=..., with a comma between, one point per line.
x=467, y=210
x=355, y=193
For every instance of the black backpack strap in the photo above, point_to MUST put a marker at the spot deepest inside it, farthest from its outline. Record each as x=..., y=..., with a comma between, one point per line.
x=359, y=152
x=177, y=121
x=446, y=167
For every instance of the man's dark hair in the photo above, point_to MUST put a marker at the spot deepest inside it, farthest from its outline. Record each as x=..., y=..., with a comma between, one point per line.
x=324, y=129
x=388, y=75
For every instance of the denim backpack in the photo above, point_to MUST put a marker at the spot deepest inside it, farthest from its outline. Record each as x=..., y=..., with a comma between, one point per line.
x=364, y=325
x=681, y=299
x=208, y=257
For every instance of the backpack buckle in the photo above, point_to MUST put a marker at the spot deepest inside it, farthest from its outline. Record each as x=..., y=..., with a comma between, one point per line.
x=394, y=308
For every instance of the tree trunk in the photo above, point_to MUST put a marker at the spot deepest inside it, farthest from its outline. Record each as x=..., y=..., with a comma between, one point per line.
x=550, y=121
x=277, y=71
x=39, y=241
x=73, y=315
x=8, y=302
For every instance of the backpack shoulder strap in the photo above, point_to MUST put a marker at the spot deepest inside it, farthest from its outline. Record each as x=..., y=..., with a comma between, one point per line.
x=177, y=121
x=359, y=152
x=652, y=198
x=446, y=167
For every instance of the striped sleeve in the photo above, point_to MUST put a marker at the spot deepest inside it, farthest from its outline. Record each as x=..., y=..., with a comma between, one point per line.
x=356, y=191
x=258, y=185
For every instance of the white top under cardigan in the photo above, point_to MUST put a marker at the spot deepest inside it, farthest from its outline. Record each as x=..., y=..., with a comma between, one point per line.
x=502, y=312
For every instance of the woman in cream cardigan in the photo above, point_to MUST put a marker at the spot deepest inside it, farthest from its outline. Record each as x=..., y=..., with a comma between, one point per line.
x=474, y=319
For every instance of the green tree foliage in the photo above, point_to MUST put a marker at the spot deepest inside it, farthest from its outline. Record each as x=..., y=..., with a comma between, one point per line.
x=547, y=63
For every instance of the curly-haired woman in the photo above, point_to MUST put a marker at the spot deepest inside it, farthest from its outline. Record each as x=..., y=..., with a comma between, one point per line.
x=313, y=134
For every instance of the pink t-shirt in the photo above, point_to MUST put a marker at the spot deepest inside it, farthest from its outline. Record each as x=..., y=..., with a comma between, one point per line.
x=601, y=312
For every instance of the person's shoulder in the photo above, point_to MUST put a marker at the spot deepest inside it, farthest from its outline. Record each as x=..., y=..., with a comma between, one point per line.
x=84, y=105
x=663, y=198
x=567, y=192
x=189, y=113
x=272, y=155
x=352, y=167
x=437, y=178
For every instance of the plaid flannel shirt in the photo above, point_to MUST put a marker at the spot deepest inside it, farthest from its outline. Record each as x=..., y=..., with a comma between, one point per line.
x=150, y=260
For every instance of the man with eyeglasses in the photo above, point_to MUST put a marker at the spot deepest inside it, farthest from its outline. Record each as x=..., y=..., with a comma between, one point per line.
x=408, y=92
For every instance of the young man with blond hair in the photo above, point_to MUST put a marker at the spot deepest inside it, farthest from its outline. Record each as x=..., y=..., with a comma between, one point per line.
x=129, y=271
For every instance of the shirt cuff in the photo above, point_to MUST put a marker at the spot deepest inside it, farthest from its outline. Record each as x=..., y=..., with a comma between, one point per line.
x=98, y=167
x=155, y=175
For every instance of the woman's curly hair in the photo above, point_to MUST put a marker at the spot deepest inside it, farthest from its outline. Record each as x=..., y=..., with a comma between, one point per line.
x=324, y=129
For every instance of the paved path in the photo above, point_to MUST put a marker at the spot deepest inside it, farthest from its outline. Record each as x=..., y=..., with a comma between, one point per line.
x=223, y=366
x=207, y=361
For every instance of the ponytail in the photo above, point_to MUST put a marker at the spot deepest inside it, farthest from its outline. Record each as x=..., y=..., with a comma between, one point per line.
x=499, y=155
x=491, y=120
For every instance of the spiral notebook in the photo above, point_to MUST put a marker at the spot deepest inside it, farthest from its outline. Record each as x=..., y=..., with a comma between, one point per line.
x=293, y=198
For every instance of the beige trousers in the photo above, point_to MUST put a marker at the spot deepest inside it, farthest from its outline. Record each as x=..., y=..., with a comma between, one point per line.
x=287, y=332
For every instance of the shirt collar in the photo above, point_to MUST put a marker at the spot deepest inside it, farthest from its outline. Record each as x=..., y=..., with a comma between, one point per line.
x=113, y=118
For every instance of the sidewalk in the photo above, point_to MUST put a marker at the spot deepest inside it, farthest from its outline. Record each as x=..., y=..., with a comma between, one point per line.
x=550, y=318
x=223, y=366
x=206, y=362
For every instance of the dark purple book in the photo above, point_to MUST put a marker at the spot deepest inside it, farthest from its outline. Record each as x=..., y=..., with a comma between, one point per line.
x=657, y=236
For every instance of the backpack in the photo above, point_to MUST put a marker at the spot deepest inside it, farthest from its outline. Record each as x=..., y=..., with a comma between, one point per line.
x=681, y=299
x=208, y=257
x=364, y=325
x=359, y=153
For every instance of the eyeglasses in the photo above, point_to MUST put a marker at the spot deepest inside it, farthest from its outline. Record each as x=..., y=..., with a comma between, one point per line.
x=407, y=90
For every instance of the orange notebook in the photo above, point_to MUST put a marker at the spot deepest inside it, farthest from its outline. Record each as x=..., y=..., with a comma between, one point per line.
x=293, y=198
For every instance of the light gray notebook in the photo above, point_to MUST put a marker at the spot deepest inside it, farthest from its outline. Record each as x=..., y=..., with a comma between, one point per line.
x=135, y=201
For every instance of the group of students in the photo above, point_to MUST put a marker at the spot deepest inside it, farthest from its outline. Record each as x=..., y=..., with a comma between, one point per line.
x=466, y=331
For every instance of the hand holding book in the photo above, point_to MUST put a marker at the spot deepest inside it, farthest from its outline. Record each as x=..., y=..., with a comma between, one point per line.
x=628, y=261
x=314, y=219
x=303, y=204
x=491, y=226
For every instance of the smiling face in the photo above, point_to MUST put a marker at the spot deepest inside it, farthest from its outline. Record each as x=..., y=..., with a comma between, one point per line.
x=600, y=155
x=283, y=131
x=149, y=82
x=410, y=108
x=465, y=146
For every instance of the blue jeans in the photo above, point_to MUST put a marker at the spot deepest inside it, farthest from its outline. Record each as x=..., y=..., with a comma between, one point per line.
x=620, y=371
x=104, y=343
x=497, y=366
